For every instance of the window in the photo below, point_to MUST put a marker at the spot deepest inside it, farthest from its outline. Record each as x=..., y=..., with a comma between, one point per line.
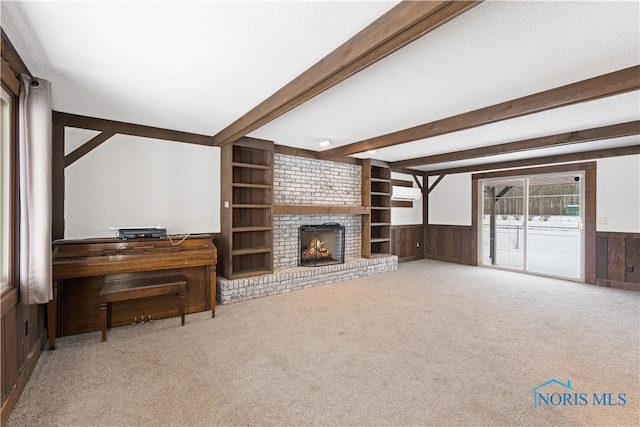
x=5, y=188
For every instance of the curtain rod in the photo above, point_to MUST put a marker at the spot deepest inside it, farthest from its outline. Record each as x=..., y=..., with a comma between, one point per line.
x=21, y=64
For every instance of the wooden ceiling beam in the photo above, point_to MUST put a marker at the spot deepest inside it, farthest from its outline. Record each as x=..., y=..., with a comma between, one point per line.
x=586, y=135
x=610, y=84
x=401, y=25
x=559, y=158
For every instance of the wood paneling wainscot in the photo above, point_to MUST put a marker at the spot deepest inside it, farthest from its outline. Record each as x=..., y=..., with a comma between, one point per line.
x=614, y=253
x=23, y=335
x=451, y=243
x=407, y=242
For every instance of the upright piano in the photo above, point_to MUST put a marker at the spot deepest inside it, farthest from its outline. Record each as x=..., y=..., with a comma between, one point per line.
x=80, y=266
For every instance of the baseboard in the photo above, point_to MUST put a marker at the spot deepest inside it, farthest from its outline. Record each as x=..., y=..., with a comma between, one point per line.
x=410, y=258
x=29, y=366
x=627, y=286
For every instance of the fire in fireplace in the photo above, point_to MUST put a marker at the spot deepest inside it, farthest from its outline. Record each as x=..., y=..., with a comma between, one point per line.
x=321, y=244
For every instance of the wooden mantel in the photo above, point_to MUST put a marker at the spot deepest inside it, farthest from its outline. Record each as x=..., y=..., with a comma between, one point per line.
x=319, y=210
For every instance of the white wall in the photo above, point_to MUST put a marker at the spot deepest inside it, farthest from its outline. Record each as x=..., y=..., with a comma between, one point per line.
x=407, y=216
x=618, y=194
x=450, y=200
x=132, y=181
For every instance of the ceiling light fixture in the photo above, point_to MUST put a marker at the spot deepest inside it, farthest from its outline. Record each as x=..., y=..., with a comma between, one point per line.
x=325, y=142
x=371, y=151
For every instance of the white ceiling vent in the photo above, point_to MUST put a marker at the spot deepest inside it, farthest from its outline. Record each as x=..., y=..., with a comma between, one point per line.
x=406, y=194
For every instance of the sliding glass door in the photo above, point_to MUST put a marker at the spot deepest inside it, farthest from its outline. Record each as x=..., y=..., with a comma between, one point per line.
x=503, y=223
x=535, y=224
x=554, y=225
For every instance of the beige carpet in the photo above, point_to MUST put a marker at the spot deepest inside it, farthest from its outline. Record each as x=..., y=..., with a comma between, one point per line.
x=430, y=344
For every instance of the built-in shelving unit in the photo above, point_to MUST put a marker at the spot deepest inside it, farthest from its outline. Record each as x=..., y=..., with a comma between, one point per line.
x=247, y=209
x=376, y=195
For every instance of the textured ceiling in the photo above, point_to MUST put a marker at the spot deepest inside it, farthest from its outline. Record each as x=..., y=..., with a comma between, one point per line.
x=198, y=66
x=496, y=52
x=190, y=66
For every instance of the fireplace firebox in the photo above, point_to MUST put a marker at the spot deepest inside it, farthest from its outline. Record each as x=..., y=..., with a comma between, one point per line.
x=321, y=244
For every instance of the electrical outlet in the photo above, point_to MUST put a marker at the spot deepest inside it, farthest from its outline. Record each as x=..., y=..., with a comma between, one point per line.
x=603, y=220
x=630, y=268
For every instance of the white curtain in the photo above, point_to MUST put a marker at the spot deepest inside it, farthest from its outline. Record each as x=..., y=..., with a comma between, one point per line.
x=35, y=191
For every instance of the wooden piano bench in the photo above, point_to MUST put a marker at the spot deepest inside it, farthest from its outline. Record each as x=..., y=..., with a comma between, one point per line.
x=120, y=287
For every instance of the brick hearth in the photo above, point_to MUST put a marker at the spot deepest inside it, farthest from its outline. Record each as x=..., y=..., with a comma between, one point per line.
x=288, y=279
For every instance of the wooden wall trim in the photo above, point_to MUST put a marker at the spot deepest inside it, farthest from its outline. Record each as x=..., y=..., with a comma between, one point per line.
x=619, y=234
x=590, y=255
x=86, y=148
x=452, y=226
x=401, y=183
x=12, y=57
x=93, y=123
x=405, y=226
x=12, y=83
x=473, y=241
x=57, y=182
x=404, y=23
x=401, y=204
x=435, y=183
x=610, y=84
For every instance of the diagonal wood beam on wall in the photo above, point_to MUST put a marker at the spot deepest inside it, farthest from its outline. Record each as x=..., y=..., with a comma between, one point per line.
x=615, y=83
x=435, y=184
x=401, y=25
x=92, y=123
x=537, y=161
x=415, y=178
x=585, y=135
x=86, y=148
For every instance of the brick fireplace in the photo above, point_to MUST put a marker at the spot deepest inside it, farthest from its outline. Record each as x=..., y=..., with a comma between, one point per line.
x=304, y=181
x=320, y=244
x=285, y=236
